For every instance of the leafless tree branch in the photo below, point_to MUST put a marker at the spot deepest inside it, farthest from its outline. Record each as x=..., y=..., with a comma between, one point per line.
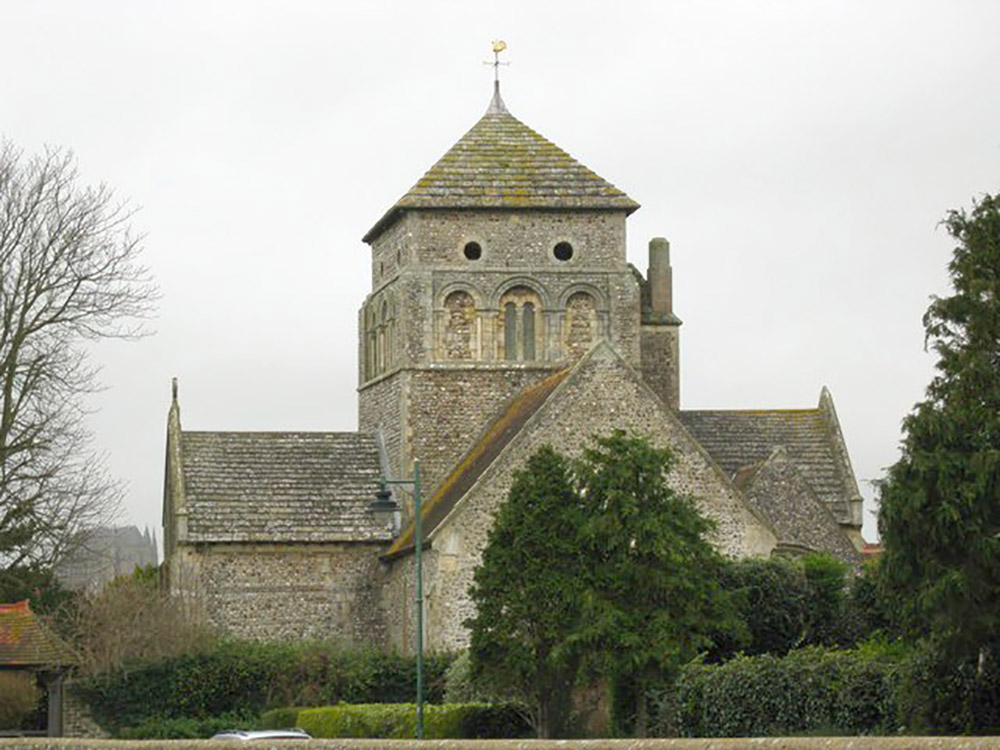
x=69, y=273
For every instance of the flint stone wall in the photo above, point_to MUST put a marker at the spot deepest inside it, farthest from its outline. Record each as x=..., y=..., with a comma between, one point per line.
x=661, y=362
x=430, y=404
x=281, y=591
x=603, y=394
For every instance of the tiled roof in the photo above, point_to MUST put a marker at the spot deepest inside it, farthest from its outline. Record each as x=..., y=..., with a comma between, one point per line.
x=468, y=471
x=737, y=439
x=502, y=163
x=24, y=641
x=280, y=486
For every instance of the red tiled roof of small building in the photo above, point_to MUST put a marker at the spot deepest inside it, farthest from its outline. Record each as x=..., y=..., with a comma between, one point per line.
x=25, y=642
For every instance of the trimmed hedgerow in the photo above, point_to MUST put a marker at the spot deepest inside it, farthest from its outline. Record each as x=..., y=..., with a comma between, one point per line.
x=398, y=721
x=246, y=677
x=809, y=691
x=186, y=729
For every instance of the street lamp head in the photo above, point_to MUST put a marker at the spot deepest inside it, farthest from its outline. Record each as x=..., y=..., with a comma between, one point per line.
x=383, y=506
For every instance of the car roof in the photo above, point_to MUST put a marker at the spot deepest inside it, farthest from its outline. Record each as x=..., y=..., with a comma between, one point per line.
x=262, y=734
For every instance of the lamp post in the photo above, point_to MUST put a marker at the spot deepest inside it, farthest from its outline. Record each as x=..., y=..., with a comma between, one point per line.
x=384, y=506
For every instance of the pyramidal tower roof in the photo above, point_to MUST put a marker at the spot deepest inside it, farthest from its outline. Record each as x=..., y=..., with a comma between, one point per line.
x=502, y=163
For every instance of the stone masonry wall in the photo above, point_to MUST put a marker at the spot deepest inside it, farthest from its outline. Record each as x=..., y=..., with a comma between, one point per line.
x=77, y=720
x=508, y=238
x=450, y=409
x=448, y=373
x=601, y=395
x=268, y=591
x=381, y=407
x=420, y=259
x=660, y=362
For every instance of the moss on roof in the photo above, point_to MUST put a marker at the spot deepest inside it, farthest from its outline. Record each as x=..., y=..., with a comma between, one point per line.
x=25, y=642
x=477, y=460
x=502, y=163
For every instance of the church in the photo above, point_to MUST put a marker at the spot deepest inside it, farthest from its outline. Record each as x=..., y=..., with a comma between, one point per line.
x=502, y=316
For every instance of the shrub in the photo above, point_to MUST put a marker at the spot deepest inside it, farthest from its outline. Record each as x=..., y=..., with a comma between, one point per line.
x=941, y=695
x=398, y=721
x=460, y=686
x=827, y=581
x=772, y=598
x=811, y=690
x=246, y=677
x=186, y=729
x=19, y=695
x=279, y=718
x=130, y=620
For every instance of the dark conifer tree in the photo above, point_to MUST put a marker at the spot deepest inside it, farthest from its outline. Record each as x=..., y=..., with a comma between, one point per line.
x=528, y=592
x=940, y=503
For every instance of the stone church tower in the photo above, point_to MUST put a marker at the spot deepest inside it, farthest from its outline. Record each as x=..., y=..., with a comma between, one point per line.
x=504, y=264
x=503, y=316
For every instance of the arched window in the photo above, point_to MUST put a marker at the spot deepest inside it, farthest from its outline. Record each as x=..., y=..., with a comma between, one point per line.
x=380, y=346
x=520, y=324
x=528, y=339
x=390, y=336
x=580, y=329
x=459, y=326
x=510, y=331
x=371, y=340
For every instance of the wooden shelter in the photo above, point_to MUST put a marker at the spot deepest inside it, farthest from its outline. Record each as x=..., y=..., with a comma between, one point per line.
x=27, y=645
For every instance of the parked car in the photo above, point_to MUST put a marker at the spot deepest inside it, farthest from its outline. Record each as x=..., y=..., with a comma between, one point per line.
x=262, y=734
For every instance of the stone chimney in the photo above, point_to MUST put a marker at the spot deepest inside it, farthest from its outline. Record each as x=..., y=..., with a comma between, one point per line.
x=659, y=341
x=661, y=281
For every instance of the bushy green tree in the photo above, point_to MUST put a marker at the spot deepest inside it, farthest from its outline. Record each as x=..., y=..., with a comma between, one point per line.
x=652, y=598
x=528, y=592
x=940, y=503
x=771, y=596
x=827, y=581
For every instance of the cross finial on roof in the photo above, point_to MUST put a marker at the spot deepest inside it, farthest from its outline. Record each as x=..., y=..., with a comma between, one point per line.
x=496, y=105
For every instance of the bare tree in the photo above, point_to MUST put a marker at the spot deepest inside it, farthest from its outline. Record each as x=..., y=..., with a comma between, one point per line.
x=69, y=274
x=131, y=618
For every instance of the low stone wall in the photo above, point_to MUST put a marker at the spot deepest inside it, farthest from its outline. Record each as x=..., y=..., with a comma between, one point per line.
x=760, y=743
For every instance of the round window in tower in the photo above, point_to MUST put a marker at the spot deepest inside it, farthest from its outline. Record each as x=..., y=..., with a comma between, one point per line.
x=563, y=251
x=473, y=251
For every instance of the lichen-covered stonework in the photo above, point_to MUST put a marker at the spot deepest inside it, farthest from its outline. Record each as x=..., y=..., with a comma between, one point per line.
x=602, y=394
x=284, y=591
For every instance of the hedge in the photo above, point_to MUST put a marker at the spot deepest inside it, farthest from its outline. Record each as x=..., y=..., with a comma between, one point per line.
x=809, y=691
x=186, y=729
x=398, y=721
x=244, y=678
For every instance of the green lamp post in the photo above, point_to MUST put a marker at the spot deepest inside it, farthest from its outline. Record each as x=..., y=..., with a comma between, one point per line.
x=384, y=508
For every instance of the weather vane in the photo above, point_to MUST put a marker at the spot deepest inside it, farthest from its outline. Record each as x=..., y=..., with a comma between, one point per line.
x=498, y=47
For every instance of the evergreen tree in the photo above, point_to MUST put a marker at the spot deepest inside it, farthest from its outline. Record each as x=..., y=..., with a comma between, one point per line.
x=528, y=592
x=940, y=503
x=653, y=599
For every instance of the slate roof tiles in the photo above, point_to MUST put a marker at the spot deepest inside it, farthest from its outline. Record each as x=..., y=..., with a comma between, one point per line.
x=502, y=163
x=737, y=439
x=280, y=486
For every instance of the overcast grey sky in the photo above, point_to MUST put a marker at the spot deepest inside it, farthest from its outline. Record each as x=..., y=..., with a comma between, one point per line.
x=797, y=154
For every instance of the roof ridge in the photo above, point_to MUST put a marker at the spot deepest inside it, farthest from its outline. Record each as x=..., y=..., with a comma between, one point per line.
x=279, y=432
x=780, y=410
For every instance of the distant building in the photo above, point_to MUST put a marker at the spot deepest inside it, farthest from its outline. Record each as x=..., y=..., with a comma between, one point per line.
x=105, y=553
x=502, y=316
